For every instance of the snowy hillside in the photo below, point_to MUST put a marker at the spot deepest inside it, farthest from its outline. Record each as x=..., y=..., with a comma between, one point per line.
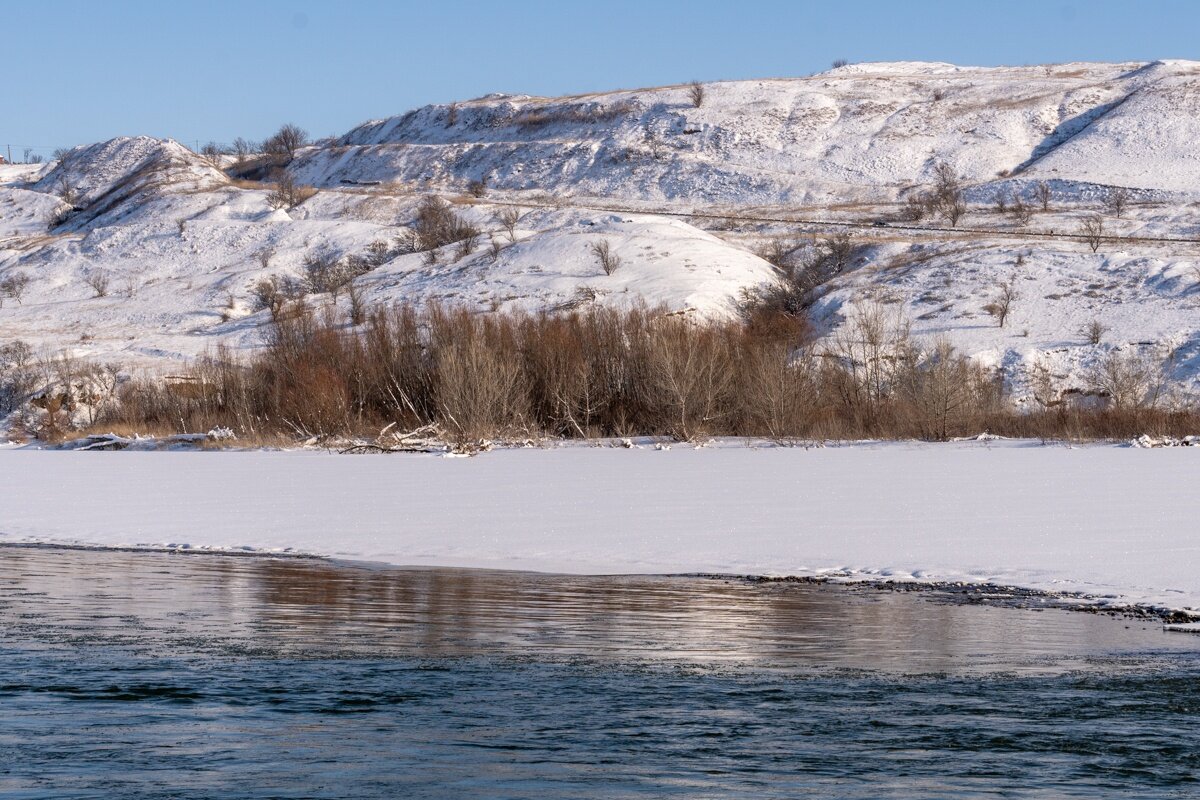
x=141, y=252
x=857, y=132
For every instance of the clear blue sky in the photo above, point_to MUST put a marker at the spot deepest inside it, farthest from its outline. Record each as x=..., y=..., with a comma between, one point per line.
x=79, y=71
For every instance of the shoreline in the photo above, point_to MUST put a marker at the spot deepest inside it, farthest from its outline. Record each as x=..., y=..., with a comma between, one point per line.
x=1107, y=523
x=957, y=592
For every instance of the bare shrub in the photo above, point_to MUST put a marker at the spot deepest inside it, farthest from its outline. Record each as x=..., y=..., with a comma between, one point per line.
x=1000, y=199
x=696, y=94
x=213, y=152
x=437, y=225
x=358, y=308
x=286, y=194
x=840, y=62
x=1043, y=194
x=286, y=141
x=18, y=375
x=508, y=218
x=940, y=392
x=609, y=261
x=1093, y=332
x=1117, y=201
x=477, y=188
x=242, y=149
x=1022, y=212
x=1002, y=302
x=452, y=115
x=1130, y=381
x=689, y=375
x=947, y=198
x=13, y=286
x=99, y=280
x=1091, y=230
x=479, y=388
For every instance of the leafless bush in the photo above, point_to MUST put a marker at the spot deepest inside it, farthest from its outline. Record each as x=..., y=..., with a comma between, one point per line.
x=18, y=375
x=1091, y=230
x=286, y=193
x=242, y=149
x=508, y=219
x=1117, y=201
x=477, y=188
x=98, y=279
x=286, y=141
x=1130, y=381
x=947, y=198
x=1043, y=194
x=1000, y=199
x=212, y=151
x=452, y=115
x=13, y=286
x=275, y=293
x=696, y=93
x=939, y=392
x=494, y=248
x=1001, y=306
x=1094, y=331
x=1021, y=212
x=437, y=225
x=840, y=62
x=358, y=308
x=609, y=261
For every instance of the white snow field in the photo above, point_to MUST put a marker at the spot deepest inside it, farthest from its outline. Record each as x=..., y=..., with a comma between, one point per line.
x=1116, y=523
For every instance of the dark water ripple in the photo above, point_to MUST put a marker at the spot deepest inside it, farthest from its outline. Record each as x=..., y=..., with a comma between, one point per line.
x=155, y=676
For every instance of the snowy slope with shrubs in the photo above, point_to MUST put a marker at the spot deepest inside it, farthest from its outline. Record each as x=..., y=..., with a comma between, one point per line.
x=141, y=252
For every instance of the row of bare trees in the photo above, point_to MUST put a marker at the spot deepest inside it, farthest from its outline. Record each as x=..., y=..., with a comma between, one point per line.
x=609, y=373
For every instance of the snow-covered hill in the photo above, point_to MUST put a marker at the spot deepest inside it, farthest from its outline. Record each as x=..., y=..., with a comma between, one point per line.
x=139, y=251
x=856, y=132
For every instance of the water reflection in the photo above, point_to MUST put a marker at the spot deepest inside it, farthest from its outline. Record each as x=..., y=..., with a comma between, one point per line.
x=308, y=608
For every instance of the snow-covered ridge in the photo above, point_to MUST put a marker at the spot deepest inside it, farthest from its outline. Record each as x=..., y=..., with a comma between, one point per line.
x=860, y=131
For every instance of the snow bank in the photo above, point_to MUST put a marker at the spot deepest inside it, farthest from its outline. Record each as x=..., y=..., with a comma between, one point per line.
x=1118, y=523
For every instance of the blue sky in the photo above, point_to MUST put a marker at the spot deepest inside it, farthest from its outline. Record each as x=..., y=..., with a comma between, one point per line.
x=85, y=71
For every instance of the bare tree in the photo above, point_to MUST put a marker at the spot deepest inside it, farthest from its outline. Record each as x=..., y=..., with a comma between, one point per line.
x=1002, y=303
x=840, y=62
x=1001, y=201
x=1091, y=230
x=1117, y=200
x=1094, y=331
x=508, y=218
x=13, y=286
x=696, y=93
x=947, y=195
x=452, y=115
x=609, y=261
x=286, y=141
x=953, y=210
x=1041, y=191
x=212, y=151
x=242, y=148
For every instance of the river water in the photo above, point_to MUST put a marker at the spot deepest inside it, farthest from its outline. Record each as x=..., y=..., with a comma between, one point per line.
x=153, y=675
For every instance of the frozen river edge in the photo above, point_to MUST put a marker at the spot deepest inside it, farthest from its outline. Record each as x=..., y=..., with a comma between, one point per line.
x=1118, y=525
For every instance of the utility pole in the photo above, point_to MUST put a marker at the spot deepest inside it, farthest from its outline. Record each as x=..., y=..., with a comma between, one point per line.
x=9, y=146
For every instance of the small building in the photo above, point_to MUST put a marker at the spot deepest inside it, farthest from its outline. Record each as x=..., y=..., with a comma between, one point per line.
x=2, y=161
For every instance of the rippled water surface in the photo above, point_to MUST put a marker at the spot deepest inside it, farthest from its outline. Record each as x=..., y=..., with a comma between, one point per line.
x=156, y=675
